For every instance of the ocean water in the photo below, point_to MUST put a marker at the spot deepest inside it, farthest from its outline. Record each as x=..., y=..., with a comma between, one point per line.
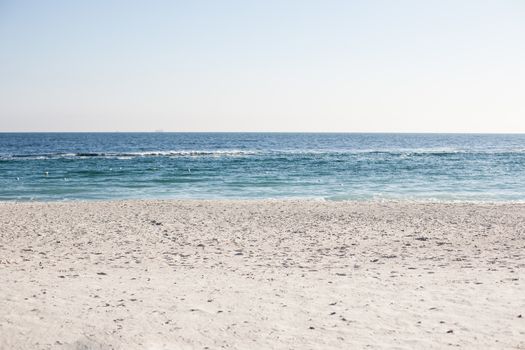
x=350, y=166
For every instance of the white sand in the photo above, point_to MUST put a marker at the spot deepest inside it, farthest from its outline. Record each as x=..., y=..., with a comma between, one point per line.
x=261, y=275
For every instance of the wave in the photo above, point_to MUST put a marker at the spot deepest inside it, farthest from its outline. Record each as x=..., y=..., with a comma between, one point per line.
x=123, y=155
x=403, y=153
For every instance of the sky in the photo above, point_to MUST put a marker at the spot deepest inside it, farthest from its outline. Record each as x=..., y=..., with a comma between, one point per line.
x=313, y=66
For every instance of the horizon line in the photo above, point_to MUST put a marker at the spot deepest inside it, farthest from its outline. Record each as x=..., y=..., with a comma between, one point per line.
x=263, y=132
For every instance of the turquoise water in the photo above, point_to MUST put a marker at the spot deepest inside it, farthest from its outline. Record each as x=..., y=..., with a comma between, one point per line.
x=69, y=166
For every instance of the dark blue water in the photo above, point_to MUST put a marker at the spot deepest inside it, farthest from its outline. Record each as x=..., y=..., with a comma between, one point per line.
x=58, y=166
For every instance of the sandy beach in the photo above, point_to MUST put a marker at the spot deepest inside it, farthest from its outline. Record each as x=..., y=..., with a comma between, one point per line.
x=262, y=275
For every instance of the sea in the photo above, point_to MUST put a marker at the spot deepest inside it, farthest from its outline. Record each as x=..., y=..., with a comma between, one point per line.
x=324, y=166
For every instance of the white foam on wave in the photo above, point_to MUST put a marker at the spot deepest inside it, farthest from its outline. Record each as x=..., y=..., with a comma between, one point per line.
x=404, y=153
x=129, y=155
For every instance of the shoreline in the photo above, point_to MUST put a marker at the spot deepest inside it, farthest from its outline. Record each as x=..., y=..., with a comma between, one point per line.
x=277, y=199
x=163, y=274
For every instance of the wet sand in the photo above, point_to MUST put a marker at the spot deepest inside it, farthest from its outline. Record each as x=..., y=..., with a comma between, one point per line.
x=262, y=275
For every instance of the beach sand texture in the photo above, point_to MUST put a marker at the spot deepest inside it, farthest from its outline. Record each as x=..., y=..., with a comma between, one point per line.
x=262, y=275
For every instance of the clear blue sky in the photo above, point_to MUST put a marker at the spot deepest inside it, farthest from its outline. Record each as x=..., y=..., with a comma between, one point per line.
x=431, y=66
